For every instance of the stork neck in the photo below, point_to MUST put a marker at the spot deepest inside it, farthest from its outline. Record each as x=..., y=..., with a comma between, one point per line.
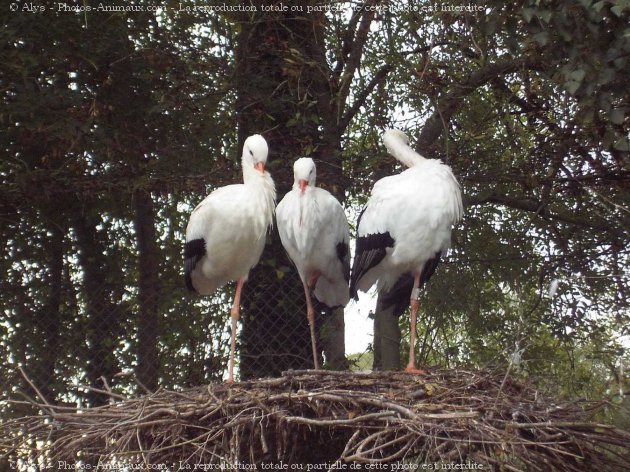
x=250, y=174
x=263, y=190
x=403, y=153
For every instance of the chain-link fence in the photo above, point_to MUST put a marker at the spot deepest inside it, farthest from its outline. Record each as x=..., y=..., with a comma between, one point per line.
x=71, y=341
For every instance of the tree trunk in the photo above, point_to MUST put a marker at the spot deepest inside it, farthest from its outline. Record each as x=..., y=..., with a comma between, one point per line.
x=386, y=339
x=273, y=311
x=52, y=325
x=47, y=322
x=277, y=86
x=329, y=176
x=102, y=315
x=333, y=340
x=287, y=90
x=147, y=370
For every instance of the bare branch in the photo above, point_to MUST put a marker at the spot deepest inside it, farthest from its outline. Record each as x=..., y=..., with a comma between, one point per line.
x=363, y=95
x=35, y=389
x=534, y=206
x=354, y=55
x=346, y=43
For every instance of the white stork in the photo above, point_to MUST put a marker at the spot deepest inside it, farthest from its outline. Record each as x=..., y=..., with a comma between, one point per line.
x=226, y=232
x=314, y=231
x=404, y=229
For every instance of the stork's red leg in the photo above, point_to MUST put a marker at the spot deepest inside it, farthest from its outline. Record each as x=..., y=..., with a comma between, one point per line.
x=310, y=315
x=413, y=303
x=234, y=315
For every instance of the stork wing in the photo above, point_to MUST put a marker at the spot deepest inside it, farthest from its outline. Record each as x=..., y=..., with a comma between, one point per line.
x=343, y=254
x=193, y=251
x=342, y=238
x=370, y=250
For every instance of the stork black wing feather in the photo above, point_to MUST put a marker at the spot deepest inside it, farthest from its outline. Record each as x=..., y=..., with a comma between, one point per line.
x=343, y=254
x=194, y=250
x=429, y=268
x=398, y=296
x=370, y=250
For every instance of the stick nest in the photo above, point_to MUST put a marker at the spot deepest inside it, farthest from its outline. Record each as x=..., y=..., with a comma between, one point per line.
x=470, y=420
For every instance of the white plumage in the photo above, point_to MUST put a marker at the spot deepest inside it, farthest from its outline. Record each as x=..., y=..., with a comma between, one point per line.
x=405, y=227
x=226, y=232
x=314, y=231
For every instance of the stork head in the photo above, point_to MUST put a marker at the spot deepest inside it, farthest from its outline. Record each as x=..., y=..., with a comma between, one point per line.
x=304, y=173
x=393, y=137
x=255, y=152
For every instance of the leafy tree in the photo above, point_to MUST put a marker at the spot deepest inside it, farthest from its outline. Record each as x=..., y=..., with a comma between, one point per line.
x=544, y=191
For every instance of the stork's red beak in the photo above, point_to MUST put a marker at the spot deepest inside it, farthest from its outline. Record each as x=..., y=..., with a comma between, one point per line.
x=302, y=184
x=260, y=167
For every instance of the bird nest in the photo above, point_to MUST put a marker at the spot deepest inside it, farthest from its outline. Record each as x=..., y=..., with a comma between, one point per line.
x=323, y=420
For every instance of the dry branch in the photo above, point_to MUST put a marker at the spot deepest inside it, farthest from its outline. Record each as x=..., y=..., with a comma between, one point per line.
x=447, y=416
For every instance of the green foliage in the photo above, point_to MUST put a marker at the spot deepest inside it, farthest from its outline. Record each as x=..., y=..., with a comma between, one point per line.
x=361, y=362
x=92, y=113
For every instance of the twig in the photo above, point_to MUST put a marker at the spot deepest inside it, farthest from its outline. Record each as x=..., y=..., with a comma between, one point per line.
x=107, y=392
x=36, y=390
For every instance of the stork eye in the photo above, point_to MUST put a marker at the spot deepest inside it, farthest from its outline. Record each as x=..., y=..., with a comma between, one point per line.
x=251, y=153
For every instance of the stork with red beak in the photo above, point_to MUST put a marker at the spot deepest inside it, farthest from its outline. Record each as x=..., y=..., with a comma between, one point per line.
x=314, y=231
x=226, y=232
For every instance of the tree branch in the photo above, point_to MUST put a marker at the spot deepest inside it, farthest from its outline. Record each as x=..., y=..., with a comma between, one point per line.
x=354, y=56
x=451, y=101
x=346, y=43
x=534, y=206
x=423, y=49
x=363, y=95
